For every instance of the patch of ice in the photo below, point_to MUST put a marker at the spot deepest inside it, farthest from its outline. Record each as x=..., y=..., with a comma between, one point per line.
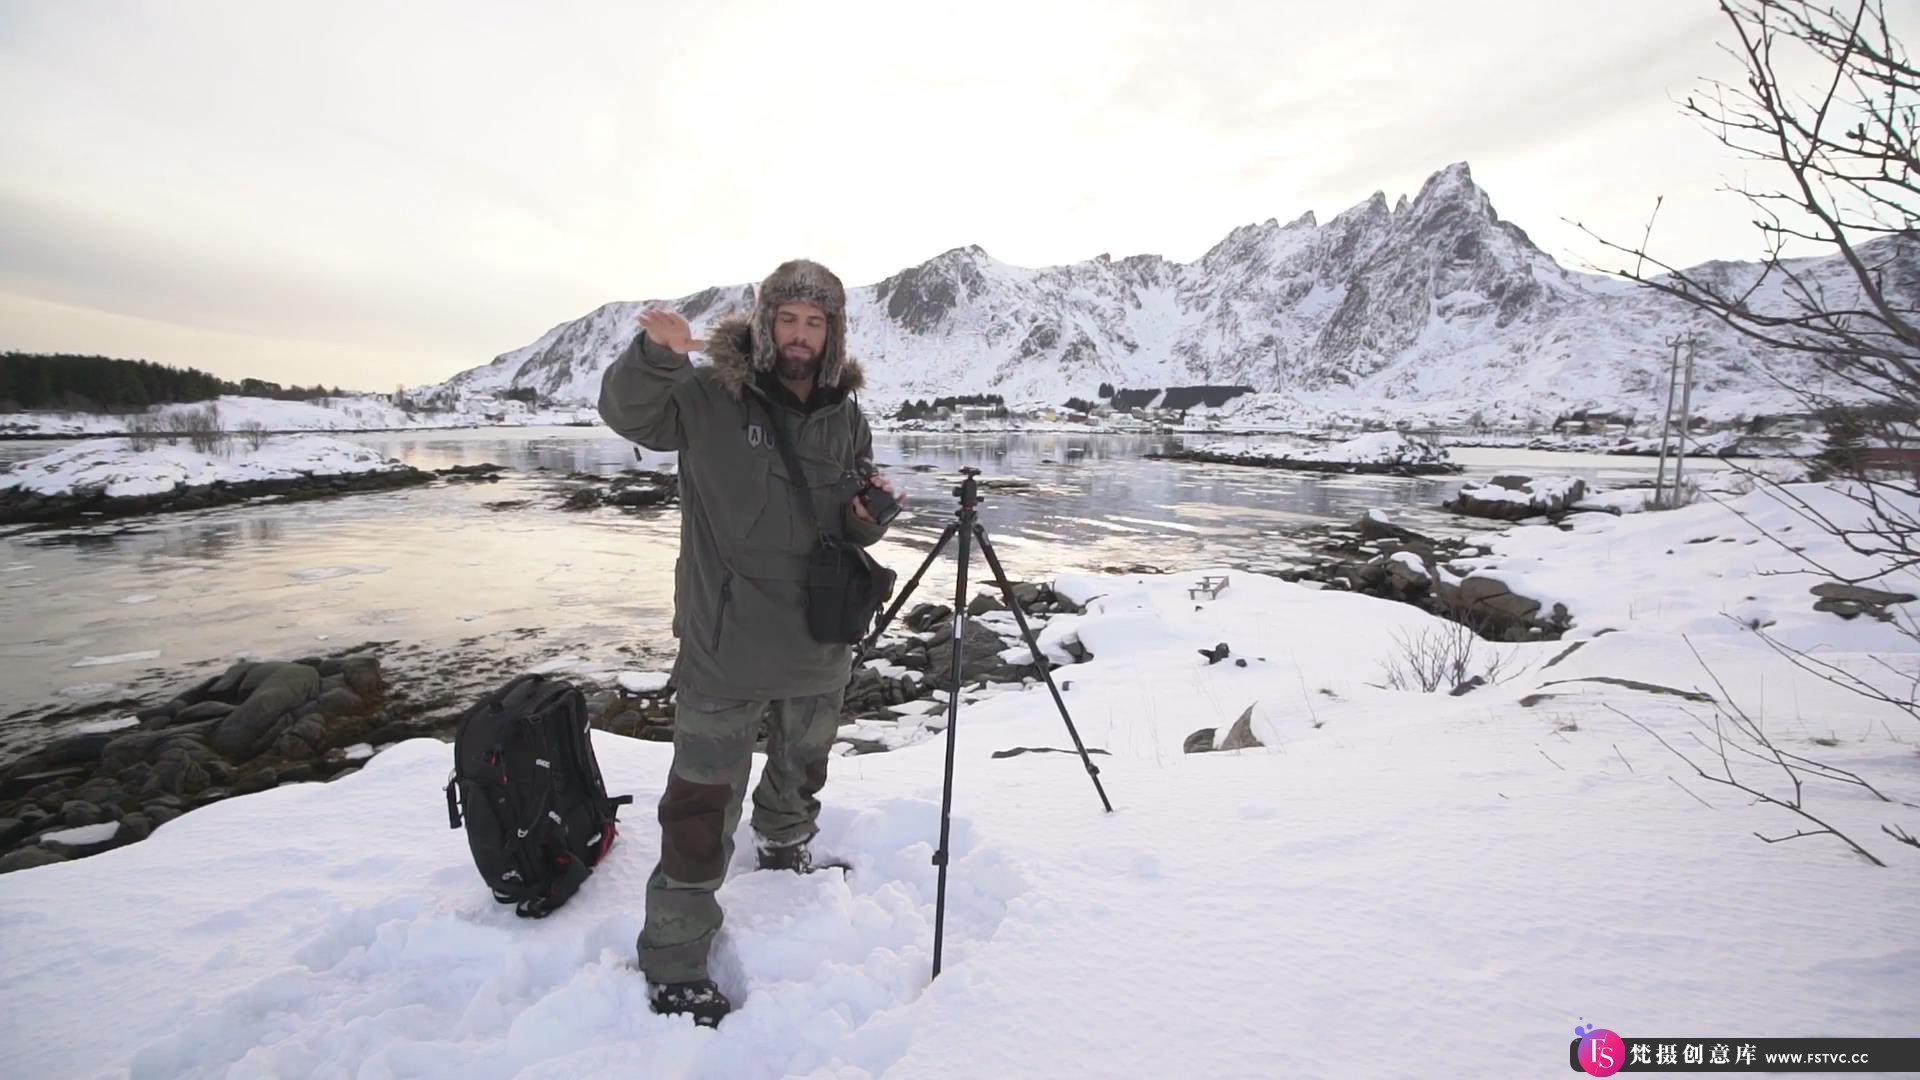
x=95, y=727
x=643, y=682
x=322, y=573
x=83, y=834
x=118, y=658
x=87, y=690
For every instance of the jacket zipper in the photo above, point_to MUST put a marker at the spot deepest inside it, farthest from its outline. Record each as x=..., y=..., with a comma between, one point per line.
x=720, y=617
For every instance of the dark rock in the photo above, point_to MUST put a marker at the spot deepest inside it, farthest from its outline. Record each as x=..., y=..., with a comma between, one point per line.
x=1372, y=528
x=984, y=603
x=104, y=791
x=1405, y=578
x=1027, y=594
x=399, y=731
x=272, y=691
x=331, y=682
x=585, y=498
x=13, y=829
x=227, y=686
x=1834, y=590
x=257, y=780
x=77, y=812
x=161, y=813
x=1476, y=500
x=1216, y=654
x=135, y=776
x=176, y=773
x=329, y=668
x=1468, y=687
x=156, y=716
x=362, y=674
x=1240, y=736
x=206, y=710
x=1200, y=742
x=341, y=702
x=76, y=748
x=979, y=658
x=925, y=617
x=1846, y=609
x=195, y=695
x=296, y=774
x=130, y=749
x=27, y=858
x=134, y=828
x=305, y=738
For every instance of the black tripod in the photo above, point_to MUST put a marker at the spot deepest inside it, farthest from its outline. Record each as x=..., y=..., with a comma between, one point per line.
x=968, y=528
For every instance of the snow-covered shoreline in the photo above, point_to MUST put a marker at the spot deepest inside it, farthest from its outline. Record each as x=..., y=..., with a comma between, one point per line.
x=1473, y=873
x=114, y=477
x=349, y=413
x=1375, y=452
x=370, y=414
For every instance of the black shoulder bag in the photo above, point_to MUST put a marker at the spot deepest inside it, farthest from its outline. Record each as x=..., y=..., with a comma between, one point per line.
x=846, y=587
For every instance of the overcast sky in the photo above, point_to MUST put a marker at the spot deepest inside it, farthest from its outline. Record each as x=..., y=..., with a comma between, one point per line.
x=374, y=194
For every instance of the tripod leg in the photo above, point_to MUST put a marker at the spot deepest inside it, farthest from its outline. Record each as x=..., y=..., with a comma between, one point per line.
x=964, y=526
x=1039, y=659
x=901, y=600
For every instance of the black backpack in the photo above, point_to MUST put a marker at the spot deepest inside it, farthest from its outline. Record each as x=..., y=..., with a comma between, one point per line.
x=536, y=810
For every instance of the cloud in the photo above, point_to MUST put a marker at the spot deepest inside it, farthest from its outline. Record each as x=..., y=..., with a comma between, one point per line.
x=425, y=185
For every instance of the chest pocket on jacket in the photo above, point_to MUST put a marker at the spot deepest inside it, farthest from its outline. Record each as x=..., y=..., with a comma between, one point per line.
x=736, y=495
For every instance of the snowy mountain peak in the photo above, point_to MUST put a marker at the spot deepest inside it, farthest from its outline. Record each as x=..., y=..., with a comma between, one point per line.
x=1431, y=306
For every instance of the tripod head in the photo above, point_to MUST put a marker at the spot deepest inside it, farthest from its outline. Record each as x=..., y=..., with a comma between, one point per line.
x=969, y=490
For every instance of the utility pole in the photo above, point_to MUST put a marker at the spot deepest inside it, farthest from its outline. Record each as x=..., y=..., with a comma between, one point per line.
x=1686, y=413
x=1680, y=379
x=1666, y=422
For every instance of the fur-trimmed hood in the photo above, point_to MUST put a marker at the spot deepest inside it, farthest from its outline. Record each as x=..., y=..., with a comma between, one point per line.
x=730, y=349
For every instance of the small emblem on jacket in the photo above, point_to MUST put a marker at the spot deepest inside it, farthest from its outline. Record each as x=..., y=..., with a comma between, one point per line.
x=756, y=437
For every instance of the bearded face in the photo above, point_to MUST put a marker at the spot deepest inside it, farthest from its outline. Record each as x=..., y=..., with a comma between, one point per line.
x=800, y=341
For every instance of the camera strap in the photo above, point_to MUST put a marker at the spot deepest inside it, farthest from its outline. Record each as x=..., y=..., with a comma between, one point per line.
x=796, y=476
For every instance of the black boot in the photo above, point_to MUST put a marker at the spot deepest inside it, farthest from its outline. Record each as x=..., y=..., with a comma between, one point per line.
x=795, y=857
x=700, y=999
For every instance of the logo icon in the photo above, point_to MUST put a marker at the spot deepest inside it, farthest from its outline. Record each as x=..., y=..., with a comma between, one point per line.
x=1602, y=1053
x=756, y=438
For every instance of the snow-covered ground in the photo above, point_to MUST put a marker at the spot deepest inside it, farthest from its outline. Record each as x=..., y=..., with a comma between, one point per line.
x=1395, y=883
x=369, y=412
x=114, y=468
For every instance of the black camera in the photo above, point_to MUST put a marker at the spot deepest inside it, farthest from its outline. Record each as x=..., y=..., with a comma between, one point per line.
x=879, y=502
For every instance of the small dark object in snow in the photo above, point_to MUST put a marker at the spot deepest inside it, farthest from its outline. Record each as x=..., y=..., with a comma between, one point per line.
x=1018, y=750
x=1467, y=687
x=1216, y=654
x=1240, y=663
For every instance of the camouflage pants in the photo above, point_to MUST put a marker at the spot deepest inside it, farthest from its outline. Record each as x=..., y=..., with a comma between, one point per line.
x=712, y=755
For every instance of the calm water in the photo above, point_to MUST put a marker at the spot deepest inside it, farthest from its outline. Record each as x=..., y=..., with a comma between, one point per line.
x=150, y=604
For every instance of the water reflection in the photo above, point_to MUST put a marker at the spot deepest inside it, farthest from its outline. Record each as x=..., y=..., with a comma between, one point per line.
x=440, y=565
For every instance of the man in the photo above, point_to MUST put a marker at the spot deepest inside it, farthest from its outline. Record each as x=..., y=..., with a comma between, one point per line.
x=739, y=586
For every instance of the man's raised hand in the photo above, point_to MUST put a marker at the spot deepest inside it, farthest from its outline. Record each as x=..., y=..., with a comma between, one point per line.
x=668, y=329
